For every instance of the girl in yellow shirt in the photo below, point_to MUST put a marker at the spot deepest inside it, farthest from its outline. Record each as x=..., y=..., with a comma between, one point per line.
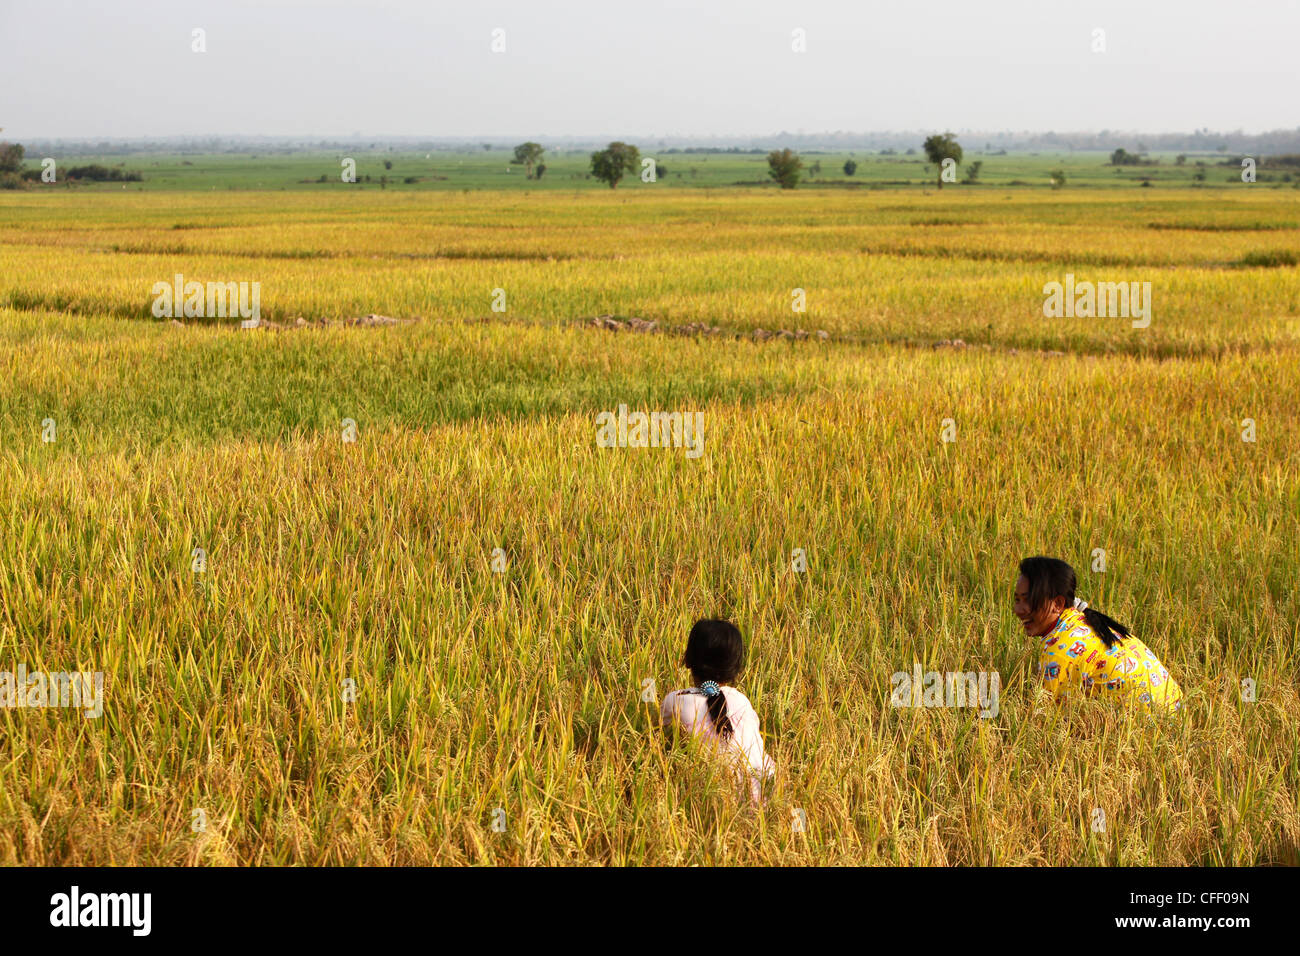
x=1084, y=652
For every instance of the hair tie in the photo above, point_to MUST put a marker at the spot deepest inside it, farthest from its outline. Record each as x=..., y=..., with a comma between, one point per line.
x=1081, y=605
x=710, y=688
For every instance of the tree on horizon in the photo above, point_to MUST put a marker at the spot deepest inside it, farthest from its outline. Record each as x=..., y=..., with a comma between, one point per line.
x=609, y=164
x=938, y=148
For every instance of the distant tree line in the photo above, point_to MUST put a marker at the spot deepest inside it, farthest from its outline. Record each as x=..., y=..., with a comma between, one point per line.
x=13, y=173
x=732, y=151
x=102, y=174
x=1274, y=142
x=1122, y=157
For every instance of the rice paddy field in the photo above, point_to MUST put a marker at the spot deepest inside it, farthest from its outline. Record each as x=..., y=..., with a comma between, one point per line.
x=445, y=642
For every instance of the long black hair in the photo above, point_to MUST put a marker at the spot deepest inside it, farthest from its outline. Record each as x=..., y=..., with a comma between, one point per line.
x=715, y=651
x=1051, y=577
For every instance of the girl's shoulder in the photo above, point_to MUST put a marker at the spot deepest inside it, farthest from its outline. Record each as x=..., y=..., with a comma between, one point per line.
x=1132, y=647
x=684, y=698
x=686, y=694
x=738, y=705
x=1070, y=631
x=737, y=695
x=731, y=693
x=691, y=698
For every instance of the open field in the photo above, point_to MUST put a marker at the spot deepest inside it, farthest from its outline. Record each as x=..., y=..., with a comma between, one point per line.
x=875, y=267
x=369, y=562
x=569, y=169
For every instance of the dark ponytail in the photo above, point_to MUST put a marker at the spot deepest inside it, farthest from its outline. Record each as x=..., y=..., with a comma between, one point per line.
x=715, y=651
x=1051, y=577
x=717, y=705
x=1106, y=627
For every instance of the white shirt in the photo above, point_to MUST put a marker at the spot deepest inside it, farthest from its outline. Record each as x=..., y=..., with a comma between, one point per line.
x=688, y=711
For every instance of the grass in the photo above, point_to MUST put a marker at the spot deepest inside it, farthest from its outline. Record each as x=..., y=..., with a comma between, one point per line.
x=446, y=170
x=369, y=562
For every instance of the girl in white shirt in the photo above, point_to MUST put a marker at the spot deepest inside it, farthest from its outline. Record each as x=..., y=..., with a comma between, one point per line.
x=715, y=711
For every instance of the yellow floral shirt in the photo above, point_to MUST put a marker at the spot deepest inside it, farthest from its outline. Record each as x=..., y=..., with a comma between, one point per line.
x=1074, y=659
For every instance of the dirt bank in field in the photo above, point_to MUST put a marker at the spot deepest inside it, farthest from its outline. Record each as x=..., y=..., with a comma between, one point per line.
x=619, y=323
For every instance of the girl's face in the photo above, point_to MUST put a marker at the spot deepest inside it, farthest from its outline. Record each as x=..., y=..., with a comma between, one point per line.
x=1040, y=622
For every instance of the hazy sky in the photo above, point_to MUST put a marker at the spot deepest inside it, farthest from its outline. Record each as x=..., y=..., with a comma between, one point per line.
x=110, y=68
